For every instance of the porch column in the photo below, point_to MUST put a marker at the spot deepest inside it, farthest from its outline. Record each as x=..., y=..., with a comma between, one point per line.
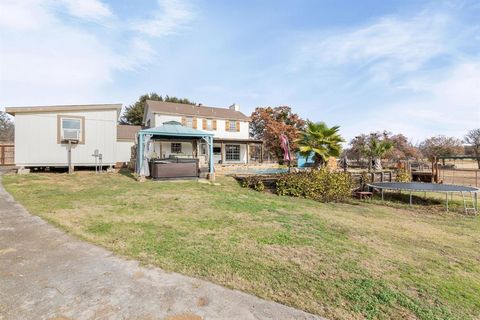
x=248, y=152
x=222, y=152
x=194, y=149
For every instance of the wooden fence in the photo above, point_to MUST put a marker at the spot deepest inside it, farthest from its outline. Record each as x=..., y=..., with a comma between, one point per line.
x=7, y=154
x=466, y=177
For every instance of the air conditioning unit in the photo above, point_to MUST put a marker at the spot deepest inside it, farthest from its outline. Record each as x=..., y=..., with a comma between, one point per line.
x=71, y=134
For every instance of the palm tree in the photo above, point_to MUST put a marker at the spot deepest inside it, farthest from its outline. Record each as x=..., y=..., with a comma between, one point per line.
x=322, y=141
x=374, y=149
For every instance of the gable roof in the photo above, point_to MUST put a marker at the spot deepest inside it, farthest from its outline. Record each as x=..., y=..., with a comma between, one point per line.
x=193, y=110
x=73, y=107
x=127, y=132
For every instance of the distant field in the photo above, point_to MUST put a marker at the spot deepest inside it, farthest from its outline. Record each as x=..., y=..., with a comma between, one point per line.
x=343, y=261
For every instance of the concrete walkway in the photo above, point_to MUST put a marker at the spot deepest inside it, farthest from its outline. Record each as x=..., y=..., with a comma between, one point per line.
x=47, y=274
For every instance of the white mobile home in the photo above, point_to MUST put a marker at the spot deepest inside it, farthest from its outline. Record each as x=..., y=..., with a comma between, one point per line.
x=41, y=134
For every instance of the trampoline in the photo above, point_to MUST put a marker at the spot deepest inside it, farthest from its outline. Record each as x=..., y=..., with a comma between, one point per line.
x=432, y=187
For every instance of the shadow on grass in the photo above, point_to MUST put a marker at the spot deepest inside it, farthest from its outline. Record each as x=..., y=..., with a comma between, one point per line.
x=420, y=201
x=127, y=173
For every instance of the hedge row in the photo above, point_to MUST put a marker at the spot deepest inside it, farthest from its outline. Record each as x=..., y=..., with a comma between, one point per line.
x=320, y=185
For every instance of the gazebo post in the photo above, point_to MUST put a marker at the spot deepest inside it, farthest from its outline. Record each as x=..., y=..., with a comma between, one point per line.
x=211, y=174
x=140, y=154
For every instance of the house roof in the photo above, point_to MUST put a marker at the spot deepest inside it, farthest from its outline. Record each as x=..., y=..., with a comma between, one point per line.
x=127, y=132
x=193, y=110
x=175, y=129
x=74, y=107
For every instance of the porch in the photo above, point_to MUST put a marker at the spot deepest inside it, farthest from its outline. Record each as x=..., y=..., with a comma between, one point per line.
x=237, y=151
x=171, y=151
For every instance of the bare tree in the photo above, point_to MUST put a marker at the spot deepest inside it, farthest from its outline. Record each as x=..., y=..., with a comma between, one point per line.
x=472, y=138
x=7, y=129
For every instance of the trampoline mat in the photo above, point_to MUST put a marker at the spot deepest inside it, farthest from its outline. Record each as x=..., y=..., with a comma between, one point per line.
x=419, y=186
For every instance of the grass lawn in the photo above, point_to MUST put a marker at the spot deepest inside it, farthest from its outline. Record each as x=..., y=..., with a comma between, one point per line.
x=341, y=261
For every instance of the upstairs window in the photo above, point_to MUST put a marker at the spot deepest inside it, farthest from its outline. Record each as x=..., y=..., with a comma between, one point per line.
x=232, y=125
x=209, y=124
x=189, y=122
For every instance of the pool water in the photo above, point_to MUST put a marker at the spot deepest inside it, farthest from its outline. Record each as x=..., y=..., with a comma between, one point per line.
x=263, y=171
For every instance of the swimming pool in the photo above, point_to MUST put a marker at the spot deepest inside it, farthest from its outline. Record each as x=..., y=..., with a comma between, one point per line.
x=261, y=171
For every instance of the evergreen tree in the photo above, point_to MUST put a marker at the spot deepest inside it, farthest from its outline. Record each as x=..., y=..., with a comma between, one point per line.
x=133, y=114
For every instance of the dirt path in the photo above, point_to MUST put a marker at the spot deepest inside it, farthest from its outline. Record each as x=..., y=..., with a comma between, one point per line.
x=47, y=274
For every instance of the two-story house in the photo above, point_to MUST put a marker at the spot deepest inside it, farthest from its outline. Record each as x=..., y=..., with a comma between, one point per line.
x=230, y=127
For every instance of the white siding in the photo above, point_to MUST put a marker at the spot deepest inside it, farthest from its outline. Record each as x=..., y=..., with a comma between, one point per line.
x=161, y=118
x=124, y=151
x=149, y=116
x=219, y=133
x=36, y=139
x=165, y=150
x=222, y=133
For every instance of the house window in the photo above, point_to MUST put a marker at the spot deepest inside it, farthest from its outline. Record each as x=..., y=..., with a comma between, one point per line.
x=209, y=124
x=232, y=152
x=70, y=128
x=217, y=150
x=189, y=122
x=233, y=126
x=176, y=147
x=203, y=149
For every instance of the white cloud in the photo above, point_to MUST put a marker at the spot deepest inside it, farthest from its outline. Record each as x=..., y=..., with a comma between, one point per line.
x=46, y=58
x=171, y=16
x=387, y=48
x=448, y=104
x=412, y=75
x=88, y=9
x=23, y=15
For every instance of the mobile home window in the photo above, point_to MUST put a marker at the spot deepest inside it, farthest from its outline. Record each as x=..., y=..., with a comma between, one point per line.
x=176, y=147
x=71, y=128
x=232, y=152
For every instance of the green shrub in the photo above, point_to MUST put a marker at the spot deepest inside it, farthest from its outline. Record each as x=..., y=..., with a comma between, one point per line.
x=320, y=185
x=403, y=175
x=254, y=182
x=365, y=178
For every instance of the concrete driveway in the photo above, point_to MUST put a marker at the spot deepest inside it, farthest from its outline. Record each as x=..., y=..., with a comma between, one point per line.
x=47, y=274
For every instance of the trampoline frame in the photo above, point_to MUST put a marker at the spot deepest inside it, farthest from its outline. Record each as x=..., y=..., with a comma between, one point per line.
x=390, y=186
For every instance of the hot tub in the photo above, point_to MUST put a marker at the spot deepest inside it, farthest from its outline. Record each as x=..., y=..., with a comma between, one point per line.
x=173, y=168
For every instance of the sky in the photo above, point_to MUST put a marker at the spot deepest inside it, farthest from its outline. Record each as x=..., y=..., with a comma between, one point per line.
x=410, y=67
